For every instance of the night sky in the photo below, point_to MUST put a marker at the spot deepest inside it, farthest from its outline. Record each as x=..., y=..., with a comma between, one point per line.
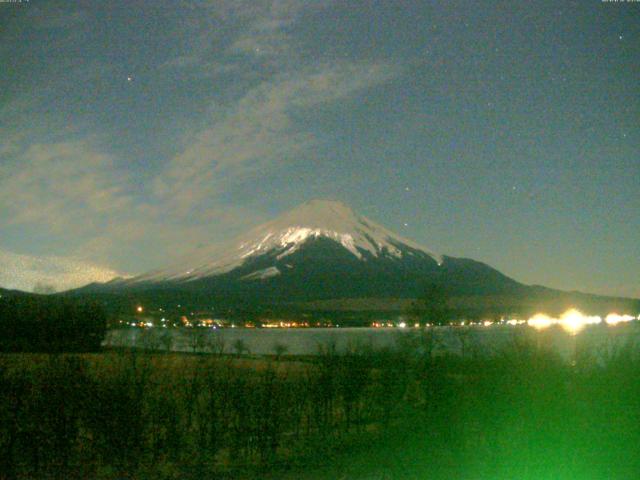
x=508, y=132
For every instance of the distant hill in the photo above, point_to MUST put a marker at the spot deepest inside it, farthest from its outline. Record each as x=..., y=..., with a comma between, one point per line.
x=12, y=293
x=48, y=323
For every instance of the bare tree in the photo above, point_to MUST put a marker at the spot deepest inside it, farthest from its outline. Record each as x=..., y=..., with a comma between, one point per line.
x=150, y=340
x=216, y=343
x=240, y=347
x=166, y=339
x=463, y=334
x=279, y=349
x=197, y=339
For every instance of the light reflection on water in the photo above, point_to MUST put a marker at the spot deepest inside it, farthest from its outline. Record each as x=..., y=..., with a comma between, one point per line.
x=600, y=339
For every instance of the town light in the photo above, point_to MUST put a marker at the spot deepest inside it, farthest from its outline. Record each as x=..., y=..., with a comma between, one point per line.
x=540, y=321
x=573, y=321
x=614, y=318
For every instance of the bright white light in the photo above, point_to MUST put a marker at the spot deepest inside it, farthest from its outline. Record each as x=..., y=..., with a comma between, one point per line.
x=402, y=325
x=614, y=318
x=573, y=321
x=540, y=321
x=487, y=323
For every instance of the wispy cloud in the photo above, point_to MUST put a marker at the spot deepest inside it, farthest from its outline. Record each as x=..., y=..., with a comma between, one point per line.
x=62, y=182
x=25, y=272
x=64, y=187
x=194, y=66
x=254, y=129
x=256, y=32
x=257, y=131
x=267, y=24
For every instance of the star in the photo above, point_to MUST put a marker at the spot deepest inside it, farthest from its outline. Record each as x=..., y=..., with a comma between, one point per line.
x=129, y=79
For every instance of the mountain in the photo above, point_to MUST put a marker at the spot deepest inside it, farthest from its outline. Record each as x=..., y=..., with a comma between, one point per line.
x=286, y=235
x=322, y=251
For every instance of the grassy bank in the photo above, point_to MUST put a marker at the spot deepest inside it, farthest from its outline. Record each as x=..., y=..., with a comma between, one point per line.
x=396, y=413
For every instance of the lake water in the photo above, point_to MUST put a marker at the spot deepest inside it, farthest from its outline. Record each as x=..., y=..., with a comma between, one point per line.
x=597, y=339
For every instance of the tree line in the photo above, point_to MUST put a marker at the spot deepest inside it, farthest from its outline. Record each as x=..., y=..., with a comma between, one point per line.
x=520, y=413
x=45, y=323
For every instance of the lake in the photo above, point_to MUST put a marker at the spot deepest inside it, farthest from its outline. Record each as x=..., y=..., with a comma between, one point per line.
x=596, y=339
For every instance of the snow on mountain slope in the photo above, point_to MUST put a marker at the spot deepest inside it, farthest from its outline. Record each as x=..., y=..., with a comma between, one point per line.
x=262, y=274
x=285, y=235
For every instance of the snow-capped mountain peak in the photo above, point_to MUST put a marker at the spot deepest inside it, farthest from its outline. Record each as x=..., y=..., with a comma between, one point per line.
x=288, y=233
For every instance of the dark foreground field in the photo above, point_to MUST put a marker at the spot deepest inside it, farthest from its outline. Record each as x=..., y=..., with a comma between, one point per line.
x=395, y=414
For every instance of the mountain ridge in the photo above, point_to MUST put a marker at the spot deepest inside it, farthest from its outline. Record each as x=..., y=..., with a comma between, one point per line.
x=323, y=251
x=316, y=218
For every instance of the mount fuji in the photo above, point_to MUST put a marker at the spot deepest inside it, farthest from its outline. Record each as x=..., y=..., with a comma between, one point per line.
x=278, y=242
x=322, y=251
